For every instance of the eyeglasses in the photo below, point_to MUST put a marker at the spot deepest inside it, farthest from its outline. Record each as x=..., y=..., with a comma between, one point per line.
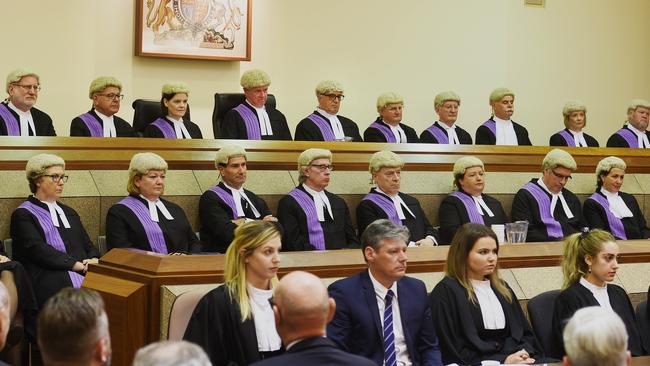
x=113, y=96
x=334, y=97
x=323, y=167
x=57, y=178
x=35, y=88
x=561, y=176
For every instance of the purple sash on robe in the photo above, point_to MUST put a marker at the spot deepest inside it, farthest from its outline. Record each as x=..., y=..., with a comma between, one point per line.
x=251, y=122
x=385, y=204
x=553, y=227
x=324, y=127
x=167, y=130
x=226, y=198
x=568, y=137
x=314, y=228
x=629, y=136
x=52, y=235
x=386, y=131
x=470, y=207
x=13, y=127
x=615, y=224
x=491, y=125
x=95, y=128
x=440, y=135
x=151, y=228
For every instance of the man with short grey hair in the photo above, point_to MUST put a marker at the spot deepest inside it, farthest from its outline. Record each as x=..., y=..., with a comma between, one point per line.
x=445, y=130
x=171, y=353
x=634, y=133
x=388, y=127
x=18, y=116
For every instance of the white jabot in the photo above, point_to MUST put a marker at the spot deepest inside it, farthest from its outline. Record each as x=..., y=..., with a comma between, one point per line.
x=600, y=293
x=481, y=206
x=320, y=201
x=641, y=137
x=398, y=132
x=263, y=117
x=55, y=212
x=335, y=123
x=451, y=133
x=108, y=124
x=401, y=350
x=491, y=309
x=264, y=320
x=179, y=128
x=617, y=206
x=579, y=138
x=554, y=199
x=399, y=203
x=26, y=120
x=505, y=132
x=153, y=212
x=237, y=195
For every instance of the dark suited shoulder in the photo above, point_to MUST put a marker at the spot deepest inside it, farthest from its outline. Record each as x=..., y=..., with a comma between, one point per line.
x=316, y=351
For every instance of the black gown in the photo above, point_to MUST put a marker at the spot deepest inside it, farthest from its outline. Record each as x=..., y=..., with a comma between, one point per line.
x=122, y=128
x=485, y=137
x=557, y=140
x=372, y=134
x=42, y=122
x=635, y=227
x=233, y=126
x=192, y=128
x=463, y=136
x=308, y=131
x=452, y=215
x=616, y=140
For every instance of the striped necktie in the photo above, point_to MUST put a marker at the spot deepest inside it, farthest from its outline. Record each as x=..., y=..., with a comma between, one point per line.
x=390, y=358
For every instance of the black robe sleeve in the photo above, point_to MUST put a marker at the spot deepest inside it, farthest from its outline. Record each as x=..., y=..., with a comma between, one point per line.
x=450, y=216
x=42, y=123
x=557, y=140
x=616, y=140
x=523, y=206
x=522, y=135
x=294, y=239
x=350, y=129
x=484, y=136
x=373, y=135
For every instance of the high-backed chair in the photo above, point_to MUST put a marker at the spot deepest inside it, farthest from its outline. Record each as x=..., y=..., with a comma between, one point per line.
x=146, y=111
x=540, y=312
x=182, y=311
x=223, y=102
x=643, y=323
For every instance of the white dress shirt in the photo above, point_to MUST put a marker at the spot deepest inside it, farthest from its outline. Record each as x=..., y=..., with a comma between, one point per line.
x=505, y=131
x=264, y=320
x=108, y=123
x=265, y=121
x=617, y=206
x=237, y=195
x=554, y=198
x=335, y=123
x=55, y=212
x=26, y=120
x=491, y=309
x=481, y=206
x=600, y=293
x=320, y=201
x=179, y=128
x=579, y=138
x=641, y=137
x=451, y=133
x=398, y=132
x=156, y=205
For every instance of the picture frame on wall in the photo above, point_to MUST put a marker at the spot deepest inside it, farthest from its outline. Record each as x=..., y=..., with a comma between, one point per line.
x=194, y=29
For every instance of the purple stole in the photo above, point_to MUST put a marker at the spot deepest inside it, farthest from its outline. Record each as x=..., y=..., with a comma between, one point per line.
x=251, y=122
x=629, y=136
x=386, y=131
x=95, y=128
x=470, y=207
x=13, y=127
x=167, y=130
x=553, y=227
x=440, y=135
x=385, y=204
x=323, y=125
x=227, y=198
x=151, y=228
x=52, y=235
x=615, y=224
x=314, y=228
x=568, y=137
x=491, y=125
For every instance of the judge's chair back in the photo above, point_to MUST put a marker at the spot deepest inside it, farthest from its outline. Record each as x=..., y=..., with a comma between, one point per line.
x=182, y=311
x=146, y=111
x=540, y=312
x=223, y=102
x=643, y=323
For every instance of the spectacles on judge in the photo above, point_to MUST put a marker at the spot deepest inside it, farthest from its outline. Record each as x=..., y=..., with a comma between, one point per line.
x=57, y=178
x=323, y=167
x=35, y=88
x=113, y=96
x=561, y=176
x=334, y=97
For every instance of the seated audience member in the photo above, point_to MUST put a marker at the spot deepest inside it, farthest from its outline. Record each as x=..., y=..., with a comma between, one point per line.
x=101, y=121
x=595, y=337
x=551, y=210
x=476, y=314
x=386, y=201
x=227, y=205
x=18, y=116
x=73, y=329
x=633, y=133
x=313, y=218
x=612, y=210
x=388, y=126
x=48, y=237
x=325, y=124
x=302, y=309
x=445, y=130
x=251, y=120
x=234, y=323
x=143, y=219
x=172, y=124
x=575, y=120
x=500, y=129
x=169, y=353
x=381, y=314
x=468, y=203
x=589, y=262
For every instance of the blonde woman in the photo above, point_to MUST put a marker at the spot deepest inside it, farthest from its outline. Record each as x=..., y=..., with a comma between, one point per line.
x=234, y=323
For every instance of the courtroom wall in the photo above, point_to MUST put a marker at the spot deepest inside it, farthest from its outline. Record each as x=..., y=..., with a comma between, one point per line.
x=593, y=50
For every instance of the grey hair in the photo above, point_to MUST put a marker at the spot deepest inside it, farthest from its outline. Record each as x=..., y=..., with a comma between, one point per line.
x=382, y=229
x=171, y=353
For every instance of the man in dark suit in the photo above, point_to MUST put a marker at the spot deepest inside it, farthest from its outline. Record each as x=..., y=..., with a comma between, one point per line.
x=382, y=314
x=302, y=310
x=18, y=116
x=388, y=127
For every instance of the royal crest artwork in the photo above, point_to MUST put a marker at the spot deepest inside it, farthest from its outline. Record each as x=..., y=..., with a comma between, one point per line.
x=200, y=29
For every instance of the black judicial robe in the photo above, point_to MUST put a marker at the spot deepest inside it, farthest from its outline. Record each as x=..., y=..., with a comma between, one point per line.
x=308, y=131
x=124, y=230
x=339, y=233
x=233, y=126
x=217, y=228
x=576, y=297
x=42, y=122
x=463, y=136
x=463, y=338
x=372, y=134
x=635, y=227
x=558, y=140
x=524, y=207
x=616, y=140
x=419, y=226
x=122, y=128
x=48, y=267
x=485, y=137
x=192, y=128
x=452, y=215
